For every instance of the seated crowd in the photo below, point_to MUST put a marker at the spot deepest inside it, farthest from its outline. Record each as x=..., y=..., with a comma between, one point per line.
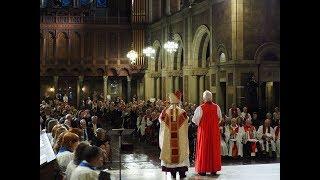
x=79, y=136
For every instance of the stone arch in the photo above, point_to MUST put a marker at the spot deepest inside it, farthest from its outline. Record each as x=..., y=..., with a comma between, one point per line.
x=50, y=72
x=62, y=47
x=75, y=48
x=177, y=57
x=76, y=71
x=50, y=46
x=201, y=46
x=123, y=72
x=267, y=52
x=88, y=71
x=157, y=59
x=112, y=72
x=100, y=72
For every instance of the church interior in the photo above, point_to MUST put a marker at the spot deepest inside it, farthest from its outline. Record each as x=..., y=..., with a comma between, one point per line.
x=111, y=64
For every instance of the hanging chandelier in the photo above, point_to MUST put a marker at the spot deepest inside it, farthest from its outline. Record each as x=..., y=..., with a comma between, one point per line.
x=132, y=55
x=170, y=46
x=149, y=51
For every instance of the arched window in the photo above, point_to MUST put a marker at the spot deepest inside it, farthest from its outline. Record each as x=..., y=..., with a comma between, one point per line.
x=76, y=48
x=62, y=47
x=222, y=57
x=50, y=47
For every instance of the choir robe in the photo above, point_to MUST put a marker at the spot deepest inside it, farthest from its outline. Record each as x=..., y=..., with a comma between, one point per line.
x=235, y=141
x=173, y=139
x=277, y=138
x=250, y=135
x=84, y=173
x=71, y=166
x=208, y=148
x=224, y=143
x=265, y=144
x=64, y=157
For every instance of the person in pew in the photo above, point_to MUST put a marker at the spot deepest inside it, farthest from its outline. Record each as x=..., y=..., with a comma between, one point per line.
x=78, y=158
x=277, y=138
x=86, y=170
x=103, y=141
x=59, y=131
x=53, y=132
x=224, y=136
x=49, y=128
x=250, y=142
x=69, y=143
x=235, y=139
x=266, y=138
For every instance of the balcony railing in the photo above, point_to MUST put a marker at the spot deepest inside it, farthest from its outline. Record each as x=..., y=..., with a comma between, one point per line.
x=83, y=20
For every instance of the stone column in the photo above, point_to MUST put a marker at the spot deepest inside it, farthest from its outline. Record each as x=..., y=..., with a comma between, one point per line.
x=105, y=87
x=158, y=88
x=192, y=89
x=129, y=89
x=79, y=86
x=168, y=7
x=176, y=84
x=55, y=82
x=69, y=50
x=201, y=87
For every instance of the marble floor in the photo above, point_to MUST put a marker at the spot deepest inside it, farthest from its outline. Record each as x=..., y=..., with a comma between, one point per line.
x=144, y=164
x=237, y=172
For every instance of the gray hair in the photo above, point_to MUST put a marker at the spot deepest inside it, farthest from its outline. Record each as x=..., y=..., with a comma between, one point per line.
x=207, y=96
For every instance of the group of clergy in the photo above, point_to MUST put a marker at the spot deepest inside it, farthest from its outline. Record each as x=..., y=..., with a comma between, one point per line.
x=239, y=138
x=214, y=137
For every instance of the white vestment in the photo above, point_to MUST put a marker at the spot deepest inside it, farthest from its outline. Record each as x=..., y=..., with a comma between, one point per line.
x=265, y=147
x=64, y=159
x=84, y=173
x=224, y=143
x=277, y=142
x=71, y=166
x=236, y=140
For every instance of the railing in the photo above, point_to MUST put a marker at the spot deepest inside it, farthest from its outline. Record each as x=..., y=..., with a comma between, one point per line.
x=83, y=20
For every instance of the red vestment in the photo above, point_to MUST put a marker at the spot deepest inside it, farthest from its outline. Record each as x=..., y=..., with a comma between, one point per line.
x=208, y=156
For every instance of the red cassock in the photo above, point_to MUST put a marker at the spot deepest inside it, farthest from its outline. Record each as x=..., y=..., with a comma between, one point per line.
x=208, y=156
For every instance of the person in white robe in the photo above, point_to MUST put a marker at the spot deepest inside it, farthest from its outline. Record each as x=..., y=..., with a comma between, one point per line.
x=78, y=158
x=65, y=154
x=266, y=137
x=277, y=138
x=86, y=170
x=224, y=131
x=173, y=138
x=245, y=115
x=235, y=139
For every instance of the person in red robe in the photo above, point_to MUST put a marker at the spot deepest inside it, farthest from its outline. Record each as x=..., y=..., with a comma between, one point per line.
x=207, y=117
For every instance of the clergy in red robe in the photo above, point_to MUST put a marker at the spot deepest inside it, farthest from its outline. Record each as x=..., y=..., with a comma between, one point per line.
x=207, y=116
x=173, y=138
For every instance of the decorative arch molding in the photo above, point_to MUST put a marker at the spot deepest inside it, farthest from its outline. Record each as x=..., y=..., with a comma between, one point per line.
x=265, y=48
x=112, y=72
x=198, y=40
x=176, y=58
x=158, y=57
x=123, y=72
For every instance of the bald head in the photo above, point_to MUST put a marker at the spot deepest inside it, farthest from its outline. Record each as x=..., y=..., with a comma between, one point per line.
x=207, y=96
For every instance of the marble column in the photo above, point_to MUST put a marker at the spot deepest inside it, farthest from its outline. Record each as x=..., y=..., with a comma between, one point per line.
x=158, y=88
x=105, y=87
x=55, y=82
x=176, y=84
x=201, y=87
x=128, y=89
x=168, y=7
x=79, y=86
